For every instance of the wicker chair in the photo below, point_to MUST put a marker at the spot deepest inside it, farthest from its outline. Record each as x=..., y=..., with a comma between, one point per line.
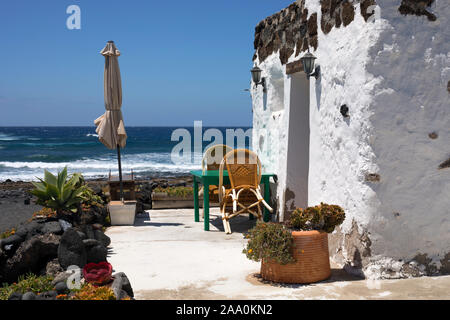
x=211, y=161
x=244, y=171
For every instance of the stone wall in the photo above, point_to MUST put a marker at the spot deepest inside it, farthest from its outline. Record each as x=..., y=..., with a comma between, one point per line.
x=337, y=13
x=287, y=31
x=418, y=8
x=290, y=30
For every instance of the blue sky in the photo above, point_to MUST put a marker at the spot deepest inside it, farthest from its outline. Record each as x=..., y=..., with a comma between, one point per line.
x=181, y=60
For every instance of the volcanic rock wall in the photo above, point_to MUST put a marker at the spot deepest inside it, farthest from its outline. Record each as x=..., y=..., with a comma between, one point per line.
x=293, y=29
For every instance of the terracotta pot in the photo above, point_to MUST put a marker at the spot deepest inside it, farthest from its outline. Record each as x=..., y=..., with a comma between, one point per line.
x=312, y=260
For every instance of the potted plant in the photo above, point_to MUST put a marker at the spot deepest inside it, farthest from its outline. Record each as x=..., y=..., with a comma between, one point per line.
x=173, y=197
x=296, y=251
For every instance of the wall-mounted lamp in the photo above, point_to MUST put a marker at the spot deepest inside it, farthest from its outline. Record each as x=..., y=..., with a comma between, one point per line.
x=308, y=65
x=256, y=77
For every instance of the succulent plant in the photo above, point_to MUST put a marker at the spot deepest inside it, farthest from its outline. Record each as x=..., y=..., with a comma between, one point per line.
x=59, y=192
x=332, y=215
x=270, y=241
x=322, y=217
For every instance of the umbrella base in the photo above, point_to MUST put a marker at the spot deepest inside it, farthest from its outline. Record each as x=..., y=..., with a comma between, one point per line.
x=122, y=214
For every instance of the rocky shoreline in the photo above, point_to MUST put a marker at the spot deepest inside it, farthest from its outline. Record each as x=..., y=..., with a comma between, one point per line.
x=17, y=205
x=51, y=245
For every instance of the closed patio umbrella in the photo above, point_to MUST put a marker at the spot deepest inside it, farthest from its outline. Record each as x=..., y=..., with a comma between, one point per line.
x=110, y=127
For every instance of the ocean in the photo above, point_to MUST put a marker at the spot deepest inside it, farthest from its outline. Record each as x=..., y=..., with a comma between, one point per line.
x=26, y=151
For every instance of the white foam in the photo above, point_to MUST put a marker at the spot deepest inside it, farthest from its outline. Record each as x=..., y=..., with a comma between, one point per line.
x=139, y=163
x=7, y=137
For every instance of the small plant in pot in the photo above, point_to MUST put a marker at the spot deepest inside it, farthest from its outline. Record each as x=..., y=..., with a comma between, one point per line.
x=296, y=251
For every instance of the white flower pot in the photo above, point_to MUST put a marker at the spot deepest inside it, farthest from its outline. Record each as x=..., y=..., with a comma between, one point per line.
x=122, y=214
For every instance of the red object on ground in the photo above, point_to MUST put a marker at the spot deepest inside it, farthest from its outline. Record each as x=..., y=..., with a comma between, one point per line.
x=97, y=273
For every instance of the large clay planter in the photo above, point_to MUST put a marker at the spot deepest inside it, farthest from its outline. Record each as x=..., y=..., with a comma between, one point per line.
x=312, y=260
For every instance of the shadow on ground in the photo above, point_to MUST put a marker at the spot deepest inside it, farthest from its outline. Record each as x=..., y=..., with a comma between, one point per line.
x=239, y=224
x=337, y=275
x=143, y=220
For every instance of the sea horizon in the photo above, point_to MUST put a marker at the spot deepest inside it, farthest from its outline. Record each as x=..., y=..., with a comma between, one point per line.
x=26, y=151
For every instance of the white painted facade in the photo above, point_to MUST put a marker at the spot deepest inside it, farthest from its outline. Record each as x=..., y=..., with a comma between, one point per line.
x=392, y=73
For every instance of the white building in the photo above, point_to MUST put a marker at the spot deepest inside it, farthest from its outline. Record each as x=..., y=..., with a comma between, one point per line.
x=387, y=163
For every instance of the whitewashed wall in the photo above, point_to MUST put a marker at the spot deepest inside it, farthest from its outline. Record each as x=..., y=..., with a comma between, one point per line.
x=412, y=60
x=392, y=74
x=270, y=117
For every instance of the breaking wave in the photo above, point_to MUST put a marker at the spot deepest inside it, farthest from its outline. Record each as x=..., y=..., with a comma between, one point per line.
x=148, y=164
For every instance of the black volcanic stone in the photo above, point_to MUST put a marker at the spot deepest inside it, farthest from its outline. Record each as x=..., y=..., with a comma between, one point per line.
x=103, y=238
x=96, y=254
x=61, y=287
x=14, y=240
x=15, y=296
x=31, y=255
x=82, y=235
x=29, y=296
x=52, y=227
x=29, y=229
x=71, y=250
x=48, y=295
x=121, y=286
x=89, y=243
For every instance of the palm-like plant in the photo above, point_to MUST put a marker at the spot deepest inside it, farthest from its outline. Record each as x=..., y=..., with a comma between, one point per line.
x=59, y=192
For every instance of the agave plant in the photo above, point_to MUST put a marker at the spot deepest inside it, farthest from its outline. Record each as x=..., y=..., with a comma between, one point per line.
x=59, y=192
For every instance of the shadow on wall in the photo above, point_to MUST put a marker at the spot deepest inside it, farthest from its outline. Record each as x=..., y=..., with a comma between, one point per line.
x=318, y=91
x=274, y=200
x=276, y=89
x=265, y=101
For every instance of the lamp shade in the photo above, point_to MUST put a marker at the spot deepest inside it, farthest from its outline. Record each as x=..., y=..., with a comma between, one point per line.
x=308, y=63
x=256, y=75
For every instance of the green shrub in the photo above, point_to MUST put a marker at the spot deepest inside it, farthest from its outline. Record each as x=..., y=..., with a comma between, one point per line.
x=270, y=241
x=181, y=192
x=59, y=192
x=7, y=233
x=108, y=220
x=89, y=198
x=29, y=282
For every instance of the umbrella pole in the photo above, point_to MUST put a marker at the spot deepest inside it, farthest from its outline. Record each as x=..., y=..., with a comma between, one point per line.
x=120, y=173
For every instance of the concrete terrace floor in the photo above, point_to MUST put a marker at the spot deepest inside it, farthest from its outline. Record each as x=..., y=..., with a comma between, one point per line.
x=166, y=255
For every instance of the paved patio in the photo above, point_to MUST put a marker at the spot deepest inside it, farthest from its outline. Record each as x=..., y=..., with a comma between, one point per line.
x=167, y=255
